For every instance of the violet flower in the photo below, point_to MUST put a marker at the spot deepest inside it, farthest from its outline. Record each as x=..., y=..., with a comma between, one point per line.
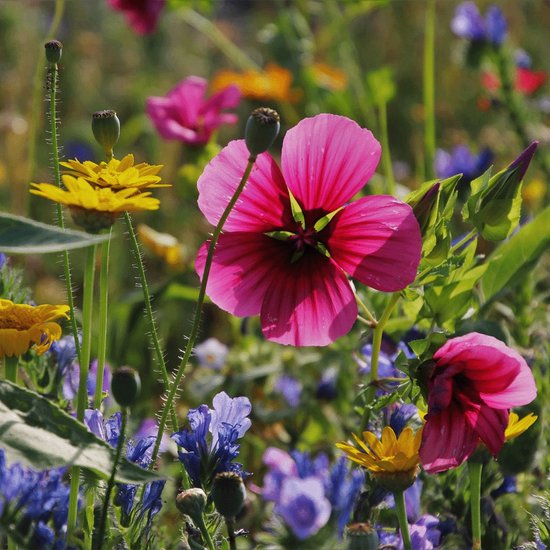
x=469, y=24
x=462, y=161
x=211, y=354
x=290, y=388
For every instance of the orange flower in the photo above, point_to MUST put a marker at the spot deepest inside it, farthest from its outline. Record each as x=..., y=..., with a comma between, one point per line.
x=328, y=77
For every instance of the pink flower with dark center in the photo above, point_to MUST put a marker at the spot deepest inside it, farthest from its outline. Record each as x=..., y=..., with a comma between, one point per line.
x=142, y=15
x=293, y=235
x=476, y=380
x=185, y=114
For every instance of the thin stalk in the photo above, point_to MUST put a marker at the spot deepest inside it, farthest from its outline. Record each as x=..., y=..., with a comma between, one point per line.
x=153, y=334
x=103, y=310
x=10, y=368
x=111, y=482
x=376, y=345
x=474, y=469
x=73, y=501
x=53, y=82
x=429, y=89
x=371, y=318
x=198, y=307
x=386, y=154
x=401, y=513
x=204, y=532
x=230, y=523
x=468, y=237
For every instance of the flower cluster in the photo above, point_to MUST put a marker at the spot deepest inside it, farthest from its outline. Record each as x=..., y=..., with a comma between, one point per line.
x=469, y=24
x=210, y=444
x=308, y=493
x=35, y=503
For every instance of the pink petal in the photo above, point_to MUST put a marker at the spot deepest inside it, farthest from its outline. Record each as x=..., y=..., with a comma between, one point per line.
x=188, y=99
x=308, y=303
x=377, y=241
x=327, y=159
x=243, y=268
x=447, y=440
x=224, y=99
x=264, y=204
x=490, y=425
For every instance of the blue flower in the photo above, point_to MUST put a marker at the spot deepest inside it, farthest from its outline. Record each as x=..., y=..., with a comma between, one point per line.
x=64, y=351
x=72, y=377
x=211, y=354
x=469, y=24
x=290, y=388
x=508, y=485
x=327, y=389
x=205, y=456
x=401, y=415
x=462, y=161
x=2, y=260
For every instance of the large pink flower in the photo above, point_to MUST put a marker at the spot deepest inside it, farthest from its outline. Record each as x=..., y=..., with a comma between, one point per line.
x=142, y=15
x=294, y=274
x=186, y=115
x=476, y=380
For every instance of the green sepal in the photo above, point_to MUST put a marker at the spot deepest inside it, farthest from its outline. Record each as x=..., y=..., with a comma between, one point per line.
x=322, y=249
x=280, y=235
x=321, y=223
x=297, y=212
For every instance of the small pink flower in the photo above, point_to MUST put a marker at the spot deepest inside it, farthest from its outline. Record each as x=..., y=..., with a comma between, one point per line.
x=142, y=15
x=476, y=380
x=186, y=115
x=295, y=278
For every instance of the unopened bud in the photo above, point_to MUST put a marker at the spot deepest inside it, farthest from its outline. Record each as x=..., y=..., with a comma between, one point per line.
x=106, y=129
x=54, y=49
x=228, y=494
x=262, y=127
x=423, y=208
x=361, y=536
x=125, y=386
x=192, y=503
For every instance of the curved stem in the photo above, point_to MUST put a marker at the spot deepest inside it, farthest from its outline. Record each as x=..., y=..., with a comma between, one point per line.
x=429, y=89
x=153, y=333
x=401, y=513
x=376, y=345
x=103, y=310
x=198, y=308
x=371, y=318
x=103, y=521
x=474, y=469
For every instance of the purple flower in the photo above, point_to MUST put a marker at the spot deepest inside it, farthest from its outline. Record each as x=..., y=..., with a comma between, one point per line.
x=401, y=415
x=206, y=456
x=64, y=351
x=462, y=161
x=72, y=378
x=508, y=485
x=469, y=24
x=290, y=388
x=3, y=260
x=496, y=25
x=303, y=506
x=211, y=354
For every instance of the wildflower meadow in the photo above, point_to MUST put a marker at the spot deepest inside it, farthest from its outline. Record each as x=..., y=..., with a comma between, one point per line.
x=274, y=274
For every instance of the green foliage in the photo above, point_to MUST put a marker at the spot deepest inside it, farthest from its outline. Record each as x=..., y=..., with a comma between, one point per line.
x=37, y=433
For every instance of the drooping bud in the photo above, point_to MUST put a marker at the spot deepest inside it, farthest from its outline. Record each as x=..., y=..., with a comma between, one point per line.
x=125, y=386
x=228, y=494
x=106, y=129
x=192, y=502
x=54, y=49
x=262, y=127
x=361, y=536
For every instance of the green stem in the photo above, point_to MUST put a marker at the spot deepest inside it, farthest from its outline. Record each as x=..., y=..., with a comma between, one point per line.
x=401, y=513
x=474, y=469
x=52, y=81
x=371, y=318
x=230, y=523
x=198, y=308
x=103, y=521
x=469, y=236
x=153, y=334
x=376, y=345
x=205, y=534
x=10, y=368
x=73, y=501
x=429, y=89
x=386, y=154
x=103, y=310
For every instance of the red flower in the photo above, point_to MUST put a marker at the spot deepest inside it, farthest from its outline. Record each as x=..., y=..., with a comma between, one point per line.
x=476, y=380
x=527, y=81
x=142, y=15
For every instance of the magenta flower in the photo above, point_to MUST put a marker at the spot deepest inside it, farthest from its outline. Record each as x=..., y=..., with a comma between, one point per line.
x=142, y=15
x=476, y=380
x=186, y=115
x=289, y=264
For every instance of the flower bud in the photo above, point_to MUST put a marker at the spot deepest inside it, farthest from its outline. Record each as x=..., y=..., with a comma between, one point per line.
x=361, y=536
x=92, y=221
x=228, y=494
x=262, y=127
x=106, y=129
x=125, y=386
x=54, y=49
x=424, y=207
x=192, y=502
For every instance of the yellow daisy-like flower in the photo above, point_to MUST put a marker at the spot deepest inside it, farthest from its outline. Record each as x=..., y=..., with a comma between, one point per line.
x=273, y=83
x=116, y=174
x=328, y=77
x=22, y=325
x=393, y=461
x=516, y=426
x=163, y=245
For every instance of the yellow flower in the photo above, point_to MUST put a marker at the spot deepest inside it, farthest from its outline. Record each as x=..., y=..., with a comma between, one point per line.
x=328, y=77
x=162, y=244
x=516, y=426
x=116, y=174
x=273, y=83
x=22, y=325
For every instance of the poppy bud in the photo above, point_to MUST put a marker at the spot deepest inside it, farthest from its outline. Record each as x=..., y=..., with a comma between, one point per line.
x=192, y=502
x=228, y=494
x=54, y=49
x=106, y=129
x=125, y=386
x=262, y=127
x=361, y=536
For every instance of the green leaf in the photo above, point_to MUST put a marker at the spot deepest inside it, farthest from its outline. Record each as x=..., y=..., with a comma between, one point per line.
x=37, y=433
x=20, y=235
x=510, y=260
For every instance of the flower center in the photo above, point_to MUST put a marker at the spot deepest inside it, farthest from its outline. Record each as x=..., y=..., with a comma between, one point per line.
x=304, y=237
